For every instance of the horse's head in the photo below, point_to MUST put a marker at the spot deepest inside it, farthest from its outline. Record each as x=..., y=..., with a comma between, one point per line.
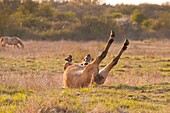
x=87, y=59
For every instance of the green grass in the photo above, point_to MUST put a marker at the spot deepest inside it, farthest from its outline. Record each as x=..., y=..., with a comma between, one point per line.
x=140, y=98
x=144, y=98
x=12, y=99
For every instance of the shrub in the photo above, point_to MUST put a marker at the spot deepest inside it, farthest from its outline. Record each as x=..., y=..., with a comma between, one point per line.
x=117, y=15
x=148, y=23
x=138, y=17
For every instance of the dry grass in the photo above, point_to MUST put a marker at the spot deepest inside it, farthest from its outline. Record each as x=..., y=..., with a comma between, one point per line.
x=39, y=68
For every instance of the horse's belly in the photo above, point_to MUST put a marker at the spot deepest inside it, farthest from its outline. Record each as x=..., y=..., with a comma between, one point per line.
x=10, y=44
x=73, y=76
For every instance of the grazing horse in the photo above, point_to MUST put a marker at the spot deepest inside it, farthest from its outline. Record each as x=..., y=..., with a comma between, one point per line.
x=11, y=41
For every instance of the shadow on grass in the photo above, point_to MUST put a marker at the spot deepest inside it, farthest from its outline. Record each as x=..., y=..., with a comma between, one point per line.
x=155, y=88
x=123, y=86
x=162, y=60
x=13, y=92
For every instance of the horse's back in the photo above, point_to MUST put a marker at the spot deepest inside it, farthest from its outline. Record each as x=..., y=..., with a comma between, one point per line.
x=10, y=40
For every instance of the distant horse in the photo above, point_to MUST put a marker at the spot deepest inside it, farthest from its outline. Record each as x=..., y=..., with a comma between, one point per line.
x=11, y=41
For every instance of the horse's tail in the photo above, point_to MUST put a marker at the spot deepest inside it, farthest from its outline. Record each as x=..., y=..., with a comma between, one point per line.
x=20, y=42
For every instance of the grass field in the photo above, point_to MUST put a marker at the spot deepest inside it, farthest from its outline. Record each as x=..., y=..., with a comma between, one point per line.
x=31, y=78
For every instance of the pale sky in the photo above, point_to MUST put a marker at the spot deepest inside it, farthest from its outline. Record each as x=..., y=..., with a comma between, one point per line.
x=113, y=2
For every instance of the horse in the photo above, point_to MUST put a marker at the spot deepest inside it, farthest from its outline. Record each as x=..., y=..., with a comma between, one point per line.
x=16, y=41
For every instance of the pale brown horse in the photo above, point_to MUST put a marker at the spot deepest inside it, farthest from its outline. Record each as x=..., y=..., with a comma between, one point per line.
x=77, y=76
x=11, y=41
x=100, y=78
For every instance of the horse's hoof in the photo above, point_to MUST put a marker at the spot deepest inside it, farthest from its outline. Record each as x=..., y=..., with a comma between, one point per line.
x=112, y=34
x=126, y=42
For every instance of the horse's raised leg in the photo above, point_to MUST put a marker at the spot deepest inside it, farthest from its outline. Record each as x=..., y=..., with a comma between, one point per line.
x=105, y=51
x=103, y=73
x=92, y=69
x=115, y=61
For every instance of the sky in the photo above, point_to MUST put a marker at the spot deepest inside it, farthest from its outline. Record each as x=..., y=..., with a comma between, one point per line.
x=113, y=2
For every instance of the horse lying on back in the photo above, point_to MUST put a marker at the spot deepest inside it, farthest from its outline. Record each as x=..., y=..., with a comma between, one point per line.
x=11, y=41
